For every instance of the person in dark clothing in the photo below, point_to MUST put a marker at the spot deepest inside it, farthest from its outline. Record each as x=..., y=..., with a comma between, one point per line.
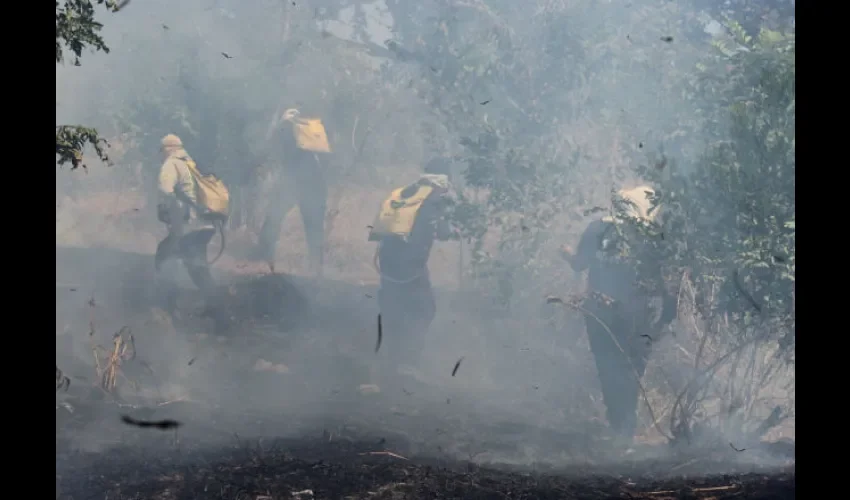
x=302, y=182
x=618, y=312
x=406, y=299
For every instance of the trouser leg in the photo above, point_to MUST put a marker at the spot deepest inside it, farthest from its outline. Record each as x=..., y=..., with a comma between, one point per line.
x=395, y=321
x=165, y=250
x=407, y=311
x=425, y=308
x=279, y=207
x=166, y=267
x=312, y=203
x=424, y=304
x=620, y=365
x=194, y=251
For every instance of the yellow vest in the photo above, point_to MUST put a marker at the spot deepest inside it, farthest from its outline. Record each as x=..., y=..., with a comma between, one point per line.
x=397, y=214
x=310, y=135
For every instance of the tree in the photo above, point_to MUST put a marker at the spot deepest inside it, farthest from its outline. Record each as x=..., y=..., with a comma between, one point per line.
x=221, y=107
x=728, y=203
x=76, y=30
x=514, y=82
x=728, y=236
x=730, y=218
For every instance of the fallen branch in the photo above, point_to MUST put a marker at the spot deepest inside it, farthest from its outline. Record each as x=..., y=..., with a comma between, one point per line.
x=695, y=490
x=387, y=453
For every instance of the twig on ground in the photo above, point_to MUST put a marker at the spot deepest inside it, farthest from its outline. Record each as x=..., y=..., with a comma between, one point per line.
x=685, y=464
x=694, y=490
x=387, y=453
x=178, y=400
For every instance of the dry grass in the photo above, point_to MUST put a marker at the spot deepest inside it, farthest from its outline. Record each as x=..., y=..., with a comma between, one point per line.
x=708, y=385
x=108, y=363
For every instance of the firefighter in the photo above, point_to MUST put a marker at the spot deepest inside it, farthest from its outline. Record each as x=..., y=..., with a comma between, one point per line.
x=618, y=305
x=188, y=233
x=409, y=222
x=305, y=149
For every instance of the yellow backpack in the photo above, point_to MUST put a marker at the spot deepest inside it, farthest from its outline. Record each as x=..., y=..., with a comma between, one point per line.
x=397, y=214
x=212, y=194
x=310, y=135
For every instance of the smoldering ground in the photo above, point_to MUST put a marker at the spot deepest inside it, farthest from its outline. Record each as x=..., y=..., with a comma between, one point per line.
x=526, y=391
x=517, y=398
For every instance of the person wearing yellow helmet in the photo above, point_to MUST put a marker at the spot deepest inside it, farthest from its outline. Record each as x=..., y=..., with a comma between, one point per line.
x=189, y=233
x=302, y=144
x=408, y=223
x=618, y=305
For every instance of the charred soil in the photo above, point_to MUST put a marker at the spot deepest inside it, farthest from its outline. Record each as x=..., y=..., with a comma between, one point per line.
x=349, y=469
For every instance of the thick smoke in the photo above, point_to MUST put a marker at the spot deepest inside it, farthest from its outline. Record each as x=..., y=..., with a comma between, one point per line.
x=526, y=390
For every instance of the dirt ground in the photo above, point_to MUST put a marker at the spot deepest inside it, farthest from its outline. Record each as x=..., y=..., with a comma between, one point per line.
x=348, y=471
x=337, y=468
x=370, y=446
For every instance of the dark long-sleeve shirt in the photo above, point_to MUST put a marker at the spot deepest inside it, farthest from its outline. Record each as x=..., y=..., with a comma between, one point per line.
x=630, y=281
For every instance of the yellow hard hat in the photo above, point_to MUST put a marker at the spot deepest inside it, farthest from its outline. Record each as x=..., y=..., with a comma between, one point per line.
x=171, y=141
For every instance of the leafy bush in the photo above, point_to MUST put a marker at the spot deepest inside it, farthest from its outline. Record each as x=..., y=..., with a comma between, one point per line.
x=726, y=233
x=728, y=240
x=729, y=221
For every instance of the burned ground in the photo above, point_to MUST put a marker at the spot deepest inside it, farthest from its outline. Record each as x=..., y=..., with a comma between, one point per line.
x=306, y=430
x=371, y=446
x=339, y=467
x=370, y=450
